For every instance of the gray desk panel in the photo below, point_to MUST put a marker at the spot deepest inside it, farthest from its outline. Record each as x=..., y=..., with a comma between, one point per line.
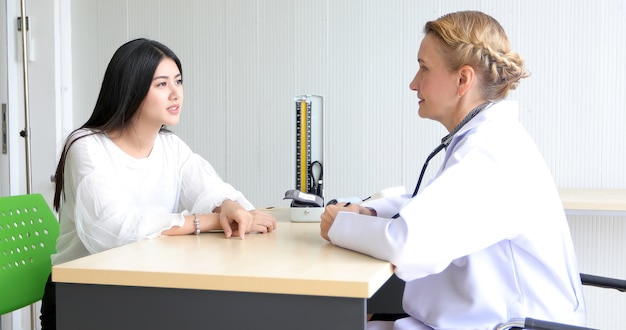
x=388, y=299
x=83, y=306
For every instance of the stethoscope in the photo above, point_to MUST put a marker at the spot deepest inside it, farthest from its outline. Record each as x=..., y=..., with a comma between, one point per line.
x=445, y=141
x=317, y=183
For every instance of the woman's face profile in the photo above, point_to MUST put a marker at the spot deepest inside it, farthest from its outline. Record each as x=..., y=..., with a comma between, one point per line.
x=164, y=101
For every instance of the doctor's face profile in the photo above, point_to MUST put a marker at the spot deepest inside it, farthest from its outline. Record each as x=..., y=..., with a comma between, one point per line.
x=434, y=82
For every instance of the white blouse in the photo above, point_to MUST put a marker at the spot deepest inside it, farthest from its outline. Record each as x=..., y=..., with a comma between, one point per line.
x=485, y=241
x=111, y=199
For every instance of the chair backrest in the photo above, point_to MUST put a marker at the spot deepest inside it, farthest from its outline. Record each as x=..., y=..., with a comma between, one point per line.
x=28, y=233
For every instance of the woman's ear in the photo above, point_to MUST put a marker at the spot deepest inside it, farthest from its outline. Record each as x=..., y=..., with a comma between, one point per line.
x=466, y=79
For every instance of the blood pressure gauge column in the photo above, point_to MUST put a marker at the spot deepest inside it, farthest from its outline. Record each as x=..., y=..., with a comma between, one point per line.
x=309, y=143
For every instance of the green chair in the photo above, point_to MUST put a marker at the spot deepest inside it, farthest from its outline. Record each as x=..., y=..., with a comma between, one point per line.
x=28, y=233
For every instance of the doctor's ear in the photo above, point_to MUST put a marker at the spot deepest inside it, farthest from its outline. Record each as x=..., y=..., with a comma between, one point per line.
x=465, y=80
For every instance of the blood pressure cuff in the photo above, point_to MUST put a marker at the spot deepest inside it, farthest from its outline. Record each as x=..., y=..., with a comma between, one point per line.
x=302, y=199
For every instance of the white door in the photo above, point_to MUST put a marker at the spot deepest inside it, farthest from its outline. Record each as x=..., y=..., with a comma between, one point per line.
x=49, y=85
x=11, y=147
x=9, y=164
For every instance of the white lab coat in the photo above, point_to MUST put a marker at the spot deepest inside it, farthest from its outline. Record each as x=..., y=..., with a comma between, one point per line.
x=485, y=241
x=112, y=199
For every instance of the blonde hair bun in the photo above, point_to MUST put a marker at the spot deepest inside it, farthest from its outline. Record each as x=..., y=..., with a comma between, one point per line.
x=477, y=39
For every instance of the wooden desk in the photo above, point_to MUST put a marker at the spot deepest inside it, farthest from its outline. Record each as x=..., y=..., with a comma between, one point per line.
x=288, y=279
x=594, y=202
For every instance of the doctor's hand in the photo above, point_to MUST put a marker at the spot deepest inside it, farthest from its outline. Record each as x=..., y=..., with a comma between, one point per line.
x=330, y=213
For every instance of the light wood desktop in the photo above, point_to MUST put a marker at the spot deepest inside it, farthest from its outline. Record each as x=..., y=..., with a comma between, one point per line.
x=288, y=279
x=594, y=202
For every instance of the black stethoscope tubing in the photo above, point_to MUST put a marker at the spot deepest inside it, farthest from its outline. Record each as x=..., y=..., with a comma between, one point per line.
x=444, y=143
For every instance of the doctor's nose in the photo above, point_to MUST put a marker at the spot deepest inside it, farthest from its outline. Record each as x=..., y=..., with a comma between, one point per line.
x=413, y=84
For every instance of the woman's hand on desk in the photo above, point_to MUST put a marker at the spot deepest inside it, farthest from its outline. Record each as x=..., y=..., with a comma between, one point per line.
x=234, y=218
x=262, y=222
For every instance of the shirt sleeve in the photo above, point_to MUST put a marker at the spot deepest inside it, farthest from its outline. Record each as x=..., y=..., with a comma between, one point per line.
x=201, y=187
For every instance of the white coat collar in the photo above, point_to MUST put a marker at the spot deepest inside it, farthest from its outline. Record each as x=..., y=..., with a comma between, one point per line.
x=501, y=111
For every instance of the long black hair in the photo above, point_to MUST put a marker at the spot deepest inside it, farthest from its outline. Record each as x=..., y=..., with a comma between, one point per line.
x=125, y=84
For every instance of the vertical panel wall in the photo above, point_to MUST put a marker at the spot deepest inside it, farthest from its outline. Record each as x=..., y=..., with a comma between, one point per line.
x=245, y=60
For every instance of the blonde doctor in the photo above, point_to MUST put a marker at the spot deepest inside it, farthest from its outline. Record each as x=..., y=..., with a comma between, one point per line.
x=487, y=239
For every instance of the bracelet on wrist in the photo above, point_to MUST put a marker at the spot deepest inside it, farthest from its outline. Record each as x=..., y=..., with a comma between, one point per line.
x=196, y=223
